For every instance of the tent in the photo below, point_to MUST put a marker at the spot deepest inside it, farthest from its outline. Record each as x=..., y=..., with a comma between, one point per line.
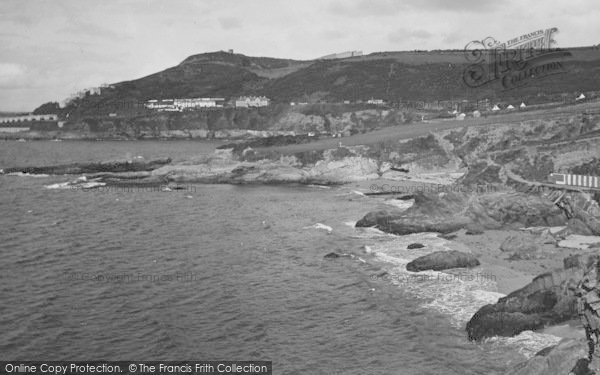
x=454, y=112
x=496, y=108
x=461, y=116
x=522, y=105
x=580, y=97
x=510, y=106
x=476, y=114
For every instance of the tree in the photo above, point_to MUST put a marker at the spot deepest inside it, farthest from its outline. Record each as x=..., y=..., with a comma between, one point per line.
x=47, y=108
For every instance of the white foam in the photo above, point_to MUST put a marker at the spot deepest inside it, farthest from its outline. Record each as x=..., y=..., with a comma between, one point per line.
x=456, y=293
x=401, y=204
x=320, y=226
x=528, y=343
x=61, y=185
x=25, y=174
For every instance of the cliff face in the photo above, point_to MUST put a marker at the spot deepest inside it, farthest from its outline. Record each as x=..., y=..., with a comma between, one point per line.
x=227, y=123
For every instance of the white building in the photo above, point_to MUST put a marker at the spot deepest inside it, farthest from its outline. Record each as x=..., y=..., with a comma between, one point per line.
x=180, y=104
x=252, y=101
x=376, y=101
x=27, y=118
x=199, y=103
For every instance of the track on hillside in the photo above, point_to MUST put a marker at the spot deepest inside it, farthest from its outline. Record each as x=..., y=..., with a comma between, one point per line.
x=423, y=128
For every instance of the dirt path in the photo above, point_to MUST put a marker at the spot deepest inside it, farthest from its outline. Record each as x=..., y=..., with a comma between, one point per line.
x=423, y=128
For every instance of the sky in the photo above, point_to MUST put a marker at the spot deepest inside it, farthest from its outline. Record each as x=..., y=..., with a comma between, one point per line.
x=50, y=49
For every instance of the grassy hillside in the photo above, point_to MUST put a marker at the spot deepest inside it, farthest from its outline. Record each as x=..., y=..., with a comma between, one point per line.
x=393, y=76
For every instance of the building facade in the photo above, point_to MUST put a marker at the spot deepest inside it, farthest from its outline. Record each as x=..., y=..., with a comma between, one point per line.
x=181, y=104
x=252, y=101
x=28, y=118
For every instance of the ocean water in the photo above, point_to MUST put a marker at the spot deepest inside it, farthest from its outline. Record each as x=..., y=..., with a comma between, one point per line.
x=225, y=272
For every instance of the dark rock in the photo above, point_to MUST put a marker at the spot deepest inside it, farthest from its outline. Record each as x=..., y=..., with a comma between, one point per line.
x=544, y=352
x=415, y=245
x=442, y=260
x=474, y=229
x=579, y=227
x=450, y=236
x=334, y=255
x=549, y=299
x=400, y=224
x=450, y=211
x=104, y=167
x=500, y=323
x=572, y=261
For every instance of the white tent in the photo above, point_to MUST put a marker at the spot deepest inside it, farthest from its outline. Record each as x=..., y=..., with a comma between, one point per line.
x=461, y=116
x=510, y=106
x=476, y=114
x=454, y=112
x=581, y=97
x=522, y=105
x=496, y=108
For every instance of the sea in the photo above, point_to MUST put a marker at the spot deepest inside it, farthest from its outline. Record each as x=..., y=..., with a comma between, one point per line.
x=222, y=272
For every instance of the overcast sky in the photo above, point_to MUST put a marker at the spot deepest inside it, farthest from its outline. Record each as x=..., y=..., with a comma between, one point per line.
x=52, y=48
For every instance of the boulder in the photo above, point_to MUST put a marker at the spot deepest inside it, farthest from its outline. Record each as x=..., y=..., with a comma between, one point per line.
x=519, y=246
x=579, y=227
x=442, y=260
x=549, y=299
x=514, y=209
x=400, y=224
x=567, y=357
x=473, y=229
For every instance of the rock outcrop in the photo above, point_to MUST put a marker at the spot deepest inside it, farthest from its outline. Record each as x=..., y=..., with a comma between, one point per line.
x=136, y=165
x=519, y=246
x=442, y=260
x=549, y=299
x=447, y=212
x=567, y=357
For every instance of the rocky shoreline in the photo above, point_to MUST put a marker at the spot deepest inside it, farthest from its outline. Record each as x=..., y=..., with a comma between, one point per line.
x=545, y=243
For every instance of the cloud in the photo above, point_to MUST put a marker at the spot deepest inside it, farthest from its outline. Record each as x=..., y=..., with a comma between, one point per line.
x=402, y=35
x=91, y=30
x=11, y=73
x=364, y=8
x=228, y=23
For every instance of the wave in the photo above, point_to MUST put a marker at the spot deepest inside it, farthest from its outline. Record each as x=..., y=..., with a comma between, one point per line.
x=528, y=343
x=457, y=293
x=320, y=226
x=25, y=174
x=401, y=204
